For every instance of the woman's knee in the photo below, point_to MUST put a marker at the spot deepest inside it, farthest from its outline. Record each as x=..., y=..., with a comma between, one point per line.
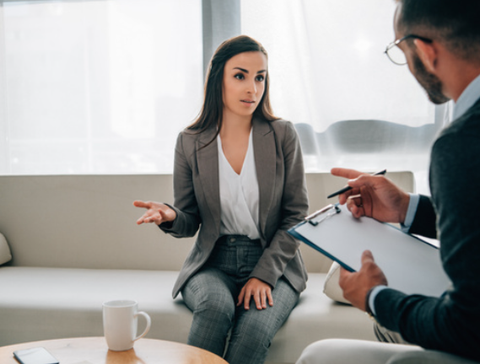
x=214, y=296
x=256, y=328
x=221, y=305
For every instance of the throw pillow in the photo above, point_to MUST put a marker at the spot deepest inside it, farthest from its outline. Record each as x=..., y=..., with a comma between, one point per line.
x=5, y=255
x=331, y=287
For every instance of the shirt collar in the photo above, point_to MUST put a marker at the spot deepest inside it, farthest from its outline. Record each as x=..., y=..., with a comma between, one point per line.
x=468, y=97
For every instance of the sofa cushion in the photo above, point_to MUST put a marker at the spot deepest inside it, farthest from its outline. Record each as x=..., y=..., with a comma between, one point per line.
x=5, y=255
x=47, y=303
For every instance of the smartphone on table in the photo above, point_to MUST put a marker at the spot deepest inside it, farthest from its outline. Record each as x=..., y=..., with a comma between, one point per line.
x=38, y=355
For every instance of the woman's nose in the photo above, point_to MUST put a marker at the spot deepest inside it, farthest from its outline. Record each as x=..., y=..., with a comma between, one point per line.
x=252, y=87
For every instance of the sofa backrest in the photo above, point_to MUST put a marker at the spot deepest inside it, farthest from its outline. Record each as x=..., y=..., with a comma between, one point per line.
x=89, y=221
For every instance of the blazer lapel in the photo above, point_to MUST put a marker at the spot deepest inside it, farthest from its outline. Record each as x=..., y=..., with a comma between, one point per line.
x=207, y=162
x=265, y=163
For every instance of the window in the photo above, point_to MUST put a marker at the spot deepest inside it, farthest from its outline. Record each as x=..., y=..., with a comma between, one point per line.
x=327, y=64
x=351, y=105
x=97, y=86
x=104, y=86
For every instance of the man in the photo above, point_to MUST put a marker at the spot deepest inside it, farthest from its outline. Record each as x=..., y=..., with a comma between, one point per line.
x=440, y=40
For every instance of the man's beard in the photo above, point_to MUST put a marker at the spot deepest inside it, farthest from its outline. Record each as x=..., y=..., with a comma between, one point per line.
x=430, y=82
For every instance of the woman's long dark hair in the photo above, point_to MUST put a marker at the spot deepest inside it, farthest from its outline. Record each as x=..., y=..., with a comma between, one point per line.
x=211, y=113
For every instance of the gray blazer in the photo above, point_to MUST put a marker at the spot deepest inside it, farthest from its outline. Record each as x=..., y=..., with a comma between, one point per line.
x=283, y=200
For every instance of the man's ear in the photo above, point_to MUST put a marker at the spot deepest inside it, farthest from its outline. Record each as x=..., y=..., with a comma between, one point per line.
x=427, y=53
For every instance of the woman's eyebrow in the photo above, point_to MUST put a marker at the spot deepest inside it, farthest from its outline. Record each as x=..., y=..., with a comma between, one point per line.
x=246, y=71
x=241, y=69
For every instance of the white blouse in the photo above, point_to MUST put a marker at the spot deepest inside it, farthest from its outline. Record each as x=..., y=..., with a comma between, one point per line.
x=239, y=195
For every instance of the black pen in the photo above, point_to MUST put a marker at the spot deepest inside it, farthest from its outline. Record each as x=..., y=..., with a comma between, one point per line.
x=348, y=188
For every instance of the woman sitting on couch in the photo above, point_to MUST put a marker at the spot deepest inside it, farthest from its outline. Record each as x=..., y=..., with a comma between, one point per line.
x=238, y=176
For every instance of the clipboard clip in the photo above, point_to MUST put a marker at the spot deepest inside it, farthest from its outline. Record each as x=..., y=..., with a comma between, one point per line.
x=325, y=212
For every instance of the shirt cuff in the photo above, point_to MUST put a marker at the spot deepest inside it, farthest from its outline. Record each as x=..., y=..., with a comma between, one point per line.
x=411, y=211
x=373, y=294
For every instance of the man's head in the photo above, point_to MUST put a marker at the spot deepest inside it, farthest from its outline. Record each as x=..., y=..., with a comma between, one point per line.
x=443, y=35
x=454, y=23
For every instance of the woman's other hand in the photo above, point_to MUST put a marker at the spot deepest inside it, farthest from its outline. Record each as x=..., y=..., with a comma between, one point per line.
x=156, y=212
x=260, y=291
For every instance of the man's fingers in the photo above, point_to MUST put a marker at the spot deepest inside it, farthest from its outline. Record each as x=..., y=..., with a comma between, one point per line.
x=355, y=208
x=364, y=180
x=345, y=173
x=367, y=257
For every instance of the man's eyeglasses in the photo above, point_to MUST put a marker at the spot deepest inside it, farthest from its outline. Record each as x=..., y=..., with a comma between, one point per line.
x=395, y=54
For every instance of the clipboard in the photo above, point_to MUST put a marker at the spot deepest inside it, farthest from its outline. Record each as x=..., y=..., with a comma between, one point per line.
x=411, y=265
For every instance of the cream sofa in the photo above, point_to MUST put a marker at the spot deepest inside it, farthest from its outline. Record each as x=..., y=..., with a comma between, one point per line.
x=75, y=244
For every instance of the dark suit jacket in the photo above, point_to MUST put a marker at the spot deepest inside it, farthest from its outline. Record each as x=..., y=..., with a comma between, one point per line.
x=283, y=200
x=450, y=323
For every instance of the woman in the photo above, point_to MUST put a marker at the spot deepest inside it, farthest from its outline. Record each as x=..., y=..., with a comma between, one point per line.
x=238, y=176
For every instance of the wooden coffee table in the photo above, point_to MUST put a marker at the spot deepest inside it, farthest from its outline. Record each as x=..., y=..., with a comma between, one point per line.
x=94, y=350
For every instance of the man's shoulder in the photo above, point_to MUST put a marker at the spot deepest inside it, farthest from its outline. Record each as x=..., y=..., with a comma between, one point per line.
x=467, y=125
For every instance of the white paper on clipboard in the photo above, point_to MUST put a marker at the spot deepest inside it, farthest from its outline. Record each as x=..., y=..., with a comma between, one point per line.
x=411, y=265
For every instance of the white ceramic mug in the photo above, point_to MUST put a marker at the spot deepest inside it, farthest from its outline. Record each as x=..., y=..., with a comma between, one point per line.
x=120, y=324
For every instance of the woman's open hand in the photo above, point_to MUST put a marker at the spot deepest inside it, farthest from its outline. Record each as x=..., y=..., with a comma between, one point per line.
x=156, y=212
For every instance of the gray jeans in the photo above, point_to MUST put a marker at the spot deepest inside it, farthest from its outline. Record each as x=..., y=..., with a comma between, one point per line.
x=211, y=294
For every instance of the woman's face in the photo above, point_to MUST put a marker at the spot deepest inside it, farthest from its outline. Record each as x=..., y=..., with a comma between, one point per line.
x=244, y=83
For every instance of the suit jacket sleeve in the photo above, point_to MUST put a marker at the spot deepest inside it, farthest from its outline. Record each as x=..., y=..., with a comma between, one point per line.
x=294, y=206
x=188, y=218
x=424, y=222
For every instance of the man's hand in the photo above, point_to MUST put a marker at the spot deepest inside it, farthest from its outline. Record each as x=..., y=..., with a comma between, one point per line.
x=356, y=285
x=156, y=212
x=260, y=291
x=379, y=197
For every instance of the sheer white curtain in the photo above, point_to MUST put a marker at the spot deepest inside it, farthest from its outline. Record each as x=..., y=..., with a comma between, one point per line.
x=104, y=86
x=97, y=86
x=351, y=105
